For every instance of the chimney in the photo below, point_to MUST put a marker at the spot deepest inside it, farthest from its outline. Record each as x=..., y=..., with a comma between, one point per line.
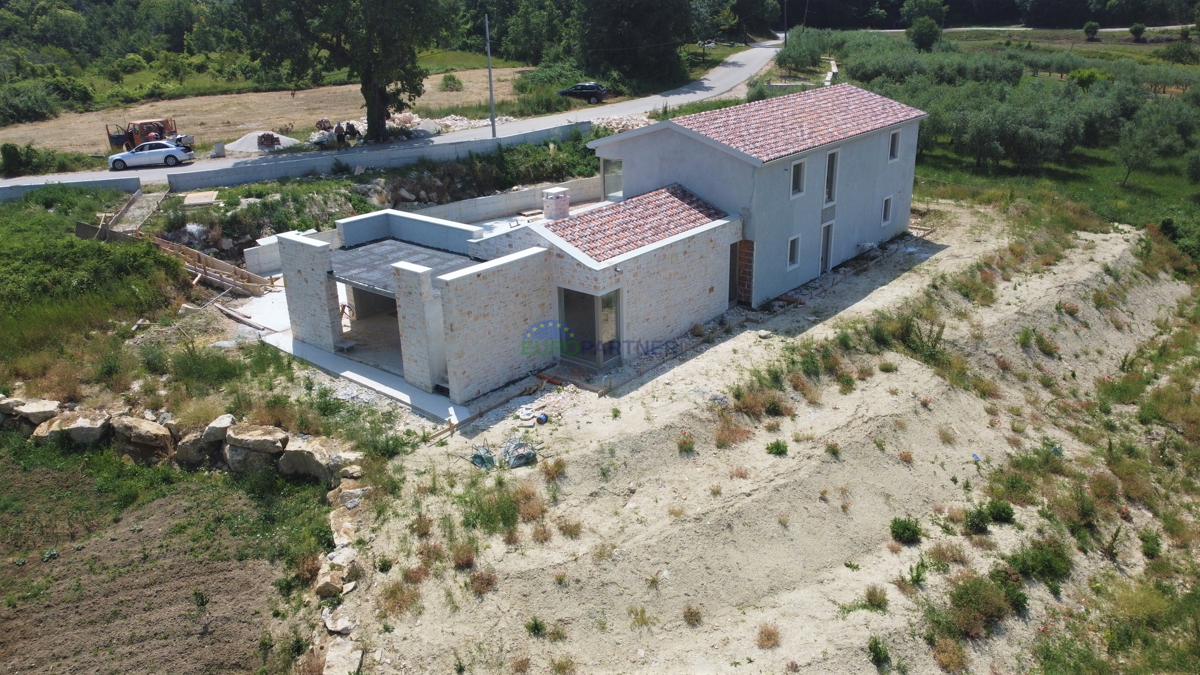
x=556, y=203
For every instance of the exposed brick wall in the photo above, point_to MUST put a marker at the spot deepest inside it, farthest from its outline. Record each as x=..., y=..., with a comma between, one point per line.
x=745, y=272
x=486, y=311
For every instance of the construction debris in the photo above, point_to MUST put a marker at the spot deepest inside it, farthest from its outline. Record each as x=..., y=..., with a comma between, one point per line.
x=251, y=142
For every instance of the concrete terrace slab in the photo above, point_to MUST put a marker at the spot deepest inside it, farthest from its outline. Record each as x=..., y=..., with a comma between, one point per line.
x=207, y=198
x=369, y=266
x=392, y=386
x=270, y=311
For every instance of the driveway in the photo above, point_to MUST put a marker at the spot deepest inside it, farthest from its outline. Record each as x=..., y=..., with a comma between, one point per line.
x=730, y=73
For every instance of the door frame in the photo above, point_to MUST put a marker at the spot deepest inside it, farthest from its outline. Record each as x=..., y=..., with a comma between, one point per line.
x=826, y=248
x=597, y=362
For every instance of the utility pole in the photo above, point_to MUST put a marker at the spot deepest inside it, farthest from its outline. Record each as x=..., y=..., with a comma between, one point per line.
x=785, y=26
x=487, y=37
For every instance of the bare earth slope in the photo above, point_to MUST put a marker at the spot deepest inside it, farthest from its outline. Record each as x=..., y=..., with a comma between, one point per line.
x=795, y=541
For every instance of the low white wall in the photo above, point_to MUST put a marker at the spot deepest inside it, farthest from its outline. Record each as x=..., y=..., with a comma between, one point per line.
x=410, y=227
x=509, y=203
x=262, y=169
x=130, y=184
x=263, y=259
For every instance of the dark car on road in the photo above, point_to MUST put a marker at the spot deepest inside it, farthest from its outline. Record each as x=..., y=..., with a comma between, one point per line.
x=588, y=91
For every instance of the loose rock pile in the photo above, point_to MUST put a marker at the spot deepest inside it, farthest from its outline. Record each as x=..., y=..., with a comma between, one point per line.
x=622, y=122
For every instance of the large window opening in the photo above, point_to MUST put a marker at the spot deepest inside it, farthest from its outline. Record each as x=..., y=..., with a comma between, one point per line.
x=614, y=181
x=831, y=167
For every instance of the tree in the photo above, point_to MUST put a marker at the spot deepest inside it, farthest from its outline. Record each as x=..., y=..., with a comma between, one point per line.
x=803, y=50
x=1136, y=149
x=915, y=9
x=924, y=33
x=876, y=16
x=376, y=40
x=534, y=31
x=1136, y=30
x=636, y=38
x=1091, y=29
x=174, y=67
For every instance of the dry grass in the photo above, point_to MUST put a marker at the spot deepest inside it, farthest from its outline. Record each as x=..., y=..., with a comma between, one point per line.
x=950, y=655
x=865, y=372
x=464, y=556
x=430, y=552
x=521, y=665
x=675, y=511
x=876, y=597
x=512, y=537
x=553, y=469
x=562, y=665
x=421, y=526
x=308, y=567
x=570, y=528
x=805, y=387
x=946, y=552
x=542, y=533
x=956, y=514
x=729, y=432
x=1014, y=441
x=714, y=490
x=415, y=575
x=482, y=582
x=768, y=636
x=945, y=435
x=1003, y=364
x=739, y=472
x=692, y=615
x=982, y=542
x=557, y=632
x=939, y=508
x=603, y=551
x=530, y=504
x=757, y=402
x=399, y=598
x=197, y=413
x=894, y=547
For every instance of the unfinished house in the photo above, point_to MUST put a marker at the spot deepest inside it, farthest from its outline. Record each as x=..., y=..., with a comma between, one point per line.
x=735, y=205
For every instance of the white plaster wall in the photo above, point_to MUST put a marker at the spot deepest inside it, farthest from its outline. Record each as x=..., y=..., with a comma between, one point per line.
x=657, y=159
x=410, y=227
x=865, y=177
x=486, y=310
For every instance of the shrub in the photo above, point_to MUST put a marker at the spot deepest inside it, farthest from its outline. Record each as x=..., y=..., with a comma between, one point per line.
x=1137, y=30
x=834, y=450
x=1090, y=30
x=924, y=33
x=976, y=603
x=976, y=521
x=570, y=528
x=777, y=447
x=691, y=615
x=535, y=627
x=877, y=651
x=1047, y=559
x=1151, y=544
x=876, y=598
x=562, y=665
x=1000, y=511
x=686, y=443
x=905, y=456
x=906, y=530
x=949, y=655
x=450, y=82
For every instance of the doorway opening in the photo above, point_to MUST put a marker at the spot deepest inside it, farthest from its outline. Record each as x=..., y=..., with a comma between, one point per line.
x=826, y=247
x=592, y=338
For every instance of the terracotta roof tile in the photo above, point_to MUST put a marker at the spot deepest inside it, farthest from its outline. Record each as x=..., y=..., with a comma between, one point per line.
x=609, y=231
x=786, y=125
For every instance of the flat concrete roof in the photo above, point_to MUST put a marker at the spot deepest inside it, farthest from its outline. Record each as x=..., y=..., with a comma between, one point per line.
x=369, y=266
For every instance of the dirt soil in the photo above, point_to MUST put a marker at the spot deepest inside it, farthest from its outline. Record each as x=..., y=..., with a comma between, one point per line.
x=750, y=538
x=124, y=602
x=230, y=116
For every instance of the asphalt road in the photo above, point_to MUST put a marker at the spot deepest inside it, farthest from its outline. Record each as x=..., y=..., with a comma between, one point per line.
x=730, y=73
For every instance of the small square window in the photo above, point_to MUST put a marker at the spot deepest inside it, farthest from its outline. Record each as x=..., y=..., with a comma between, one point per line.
x=894, y=147
x=887, y=210
x=797, y=178
x=793, y=249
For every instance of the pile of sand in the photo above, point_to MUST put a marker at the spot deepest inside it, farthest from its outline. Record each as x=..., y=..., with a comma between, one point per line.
x=249, y=142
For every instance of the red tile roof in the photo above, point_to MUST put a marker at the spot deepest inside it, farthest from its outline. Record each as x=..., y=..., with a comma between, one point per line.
x=609, y=231
x=786, y=125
